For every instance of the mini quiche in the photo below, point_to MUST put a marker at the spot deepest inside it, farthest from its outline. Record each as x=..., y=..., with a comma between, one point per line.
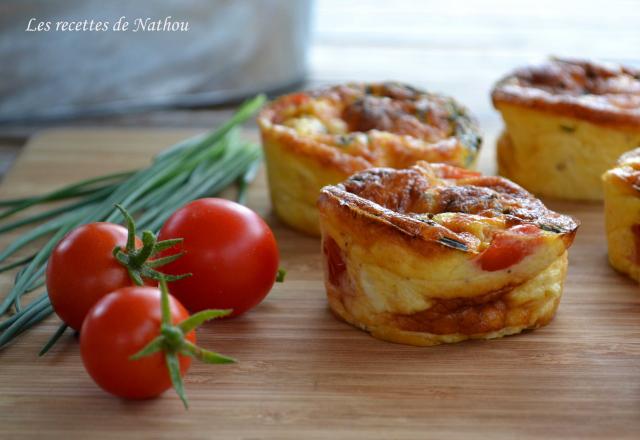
x=318, y=138
x=622, y=214
x=567, y=122
x=436, y=254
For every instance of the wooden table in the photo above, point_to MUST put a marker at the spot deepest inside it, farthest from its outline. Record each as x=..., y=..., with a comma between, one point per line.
x=304, y=374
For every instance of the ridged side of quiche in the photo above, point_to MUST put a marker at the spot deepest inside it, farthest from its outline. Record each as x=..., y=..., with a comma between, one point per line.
x=435, y=253
x=622, y=214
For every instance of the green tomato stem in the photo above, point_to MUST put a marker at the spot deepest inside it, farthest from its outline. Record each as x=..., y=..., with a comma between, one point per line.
x=164, y=301
x=131, y=229
x=194, y=321
x=153, y=347
x=148, y=244
x=173, y=365
x=136, y=261
x=173, y=343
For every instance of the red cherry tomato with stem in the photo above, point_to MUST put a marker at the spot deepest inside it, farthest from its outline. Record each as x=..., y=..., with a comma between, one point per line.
x=118, y=327
x=98, y=258
x=137, y=342
x=230, y=252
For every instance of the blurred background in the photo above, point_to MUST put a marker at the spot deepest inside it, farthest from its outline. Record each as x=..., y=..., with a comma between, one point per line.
x=234, y=49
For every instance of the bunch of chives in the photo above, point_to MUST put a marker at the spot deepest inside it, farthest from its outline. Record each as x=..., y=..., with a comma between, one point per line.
x=198, y=167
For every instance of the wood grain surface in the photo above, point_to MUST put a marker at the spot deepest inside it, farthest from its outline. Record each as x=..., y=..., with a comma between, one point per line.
x=302, y=374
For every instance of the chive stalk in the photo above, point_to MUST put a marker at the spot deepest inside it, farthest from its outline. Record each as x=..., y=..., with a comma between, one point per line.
x=198, y=167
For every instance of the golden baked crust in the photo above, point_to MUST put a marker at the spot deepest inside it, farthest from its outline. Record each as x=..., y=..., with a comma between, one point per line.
x=312, y=139
x=622, y=214
x=566, y=123
x=627, y=173
x=597, y=92
x=435, y=254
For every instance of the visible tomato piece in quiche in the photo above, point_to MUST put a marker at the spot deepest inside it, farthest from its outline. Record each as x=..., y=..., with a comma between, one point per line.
x=510, y=247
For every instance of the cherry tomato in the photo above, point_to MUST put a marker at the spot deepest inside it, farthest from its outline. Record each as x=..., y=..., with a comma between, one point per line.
x=117, y=327
x=82, y=269
x=509, y=247
x=230, y=251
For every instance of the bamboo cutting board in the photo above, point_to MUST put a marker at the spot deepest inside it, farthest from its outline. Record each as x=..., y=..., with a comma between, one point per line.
x=302, y=374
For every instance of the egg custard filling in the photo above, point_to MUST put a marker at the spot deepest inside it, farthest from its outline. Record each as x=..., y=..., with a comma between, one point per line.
x=566, y=123
x=317, y=138
x=622, y=214
x=435, y=253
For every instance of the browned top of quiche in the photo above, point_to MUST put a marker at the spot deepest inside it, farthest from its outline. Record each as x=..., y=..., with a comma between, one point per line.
x=438, y=208
x=598, y=92
x=628, y=170
x=357, y=126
